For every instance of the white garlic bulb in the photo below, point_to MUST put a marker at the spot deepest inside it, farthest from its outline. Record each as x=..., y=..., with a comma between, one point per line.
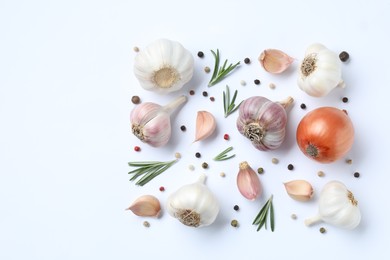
x=337, y=206
x=151, y=122
x=194, y=204
x=320, y=71
x=164, y=66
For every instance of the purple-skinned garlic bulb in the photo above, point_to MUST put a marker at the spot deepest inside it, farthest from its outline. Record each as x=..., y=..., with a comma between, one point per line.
x=151, y=122
x=263, y=121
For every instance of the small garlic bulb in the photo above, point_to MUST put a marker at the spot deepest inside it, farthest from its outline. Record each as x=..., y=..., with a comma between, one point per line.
x=320, y=71
x=151, y=123
x=337, y=206
x=193, y=204
x=164, y=66
x=263, y=122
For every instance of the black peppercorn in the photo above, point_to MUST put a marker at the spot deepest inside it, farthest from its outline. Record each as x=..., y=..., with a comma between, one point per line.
x=247, y=61
x=212, y=99
x=303, y=106
x=234, y=223
x=200, y=54
x=356, y=175
x=236, y=207
x=257, y=82
x=345, y=99
x=290, y=167
x=205, y=94
x=344, y=56
x=205, y=165
x=197, y=155
x=183, y=128
x=322, y=230
x=192, y=92
x=135, y=99
x=260, y=170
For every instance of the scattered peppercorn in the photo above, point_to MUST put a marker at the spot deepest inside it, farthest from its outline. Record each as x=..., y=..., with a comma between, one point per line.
x=162, y=188
x=206, y=69
x=200, y=54
x=322, y=230
x=344, y=56
x=205, y=94
x=197, y=155
x=226, y=137
x=146, y=224
x=345, y=99
x=212, y=99
x=222, y=174
x=260, y=170
x=234, y=223
x=247, y=60
x=294, y=216
x=275, y=160
x=136, y=49
x=177, y=155
x=257, y=82
x=183, y=128
x=320, y=174
x=236, y=207
x=349, y=161
x=356, y=175
x=191, y=167
x=303, y=106
x=205, y=165
x=242, y=82
x=272, y=86
x=137, y=148
x=192, y=92
x=290, y=167
x=135, y=99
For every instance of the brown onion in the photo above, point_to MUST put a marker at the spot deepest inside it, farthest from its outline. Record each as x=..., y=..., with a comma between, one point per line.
x=325, y=134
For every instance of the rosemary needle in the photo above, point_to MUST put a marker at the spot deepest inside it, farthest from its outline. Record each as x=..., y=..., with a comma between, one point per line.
x=222, y=156
x=148, y=170
x=261, y=218
x=228, y=105
x=220, y=72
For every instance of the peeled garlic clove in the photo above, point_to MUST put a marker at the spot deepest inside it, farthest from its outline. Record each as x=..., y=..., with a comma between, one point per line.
x=248, y=182
x=205, y=125
x=275, y=61
x=146, y=206
x=300, y=190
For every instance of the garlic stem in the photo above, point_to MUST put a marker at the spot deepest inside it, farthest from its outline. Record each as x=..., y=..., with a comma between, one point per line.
x=312, y=220
x=171, y=106
x=286, y=103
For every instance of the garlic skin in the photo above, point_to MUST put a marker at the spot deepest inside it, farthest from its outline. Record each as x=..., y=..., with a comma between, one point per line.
x=299, y=190
x=275, y=61
x=146, y=206
x=248, y=182
x=205, y=125
x=193, y=204
x=164, y=66
x=263, y=122
x=337, y=206
x=151, y=123
x=320, y=71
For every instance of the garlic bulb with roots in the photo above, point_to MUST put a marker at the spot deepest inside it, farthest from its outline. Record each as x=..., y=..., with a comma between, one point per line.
x=320, y=71
x=337, y=206
x=263, y=121
x=193, y=204
x=151, y=122
x=164, y=66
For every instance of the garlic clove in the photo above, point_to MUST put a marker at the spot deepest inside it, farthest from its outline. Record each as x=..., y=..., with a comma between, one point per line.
x=275, y=61
x=146, y=206
x=248, y=182
x=205, y=125
x=300, y=190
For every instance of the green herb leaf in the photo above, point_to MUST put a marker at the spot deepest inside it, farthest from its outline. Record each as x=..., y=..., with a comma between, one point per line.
x=261, y=218
x=222, y=156
x=228, y=105
x=148, y=170
x=220, y=72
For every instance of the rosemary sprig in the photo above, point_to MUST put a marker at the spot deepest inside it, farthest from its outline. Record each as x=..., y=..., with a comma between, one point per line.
x=261, y=218
x=220, y=72
x=148, y=170
x=228, y=105
x=222, y=156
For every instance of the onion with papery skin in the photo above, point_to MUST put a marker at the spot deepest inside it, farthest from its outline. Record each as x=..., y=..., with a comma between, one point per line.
x=325, y=134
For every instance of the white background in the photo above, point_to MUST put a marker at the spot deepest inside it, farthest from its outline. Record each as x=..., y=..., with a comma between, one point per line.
x=66, y=82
